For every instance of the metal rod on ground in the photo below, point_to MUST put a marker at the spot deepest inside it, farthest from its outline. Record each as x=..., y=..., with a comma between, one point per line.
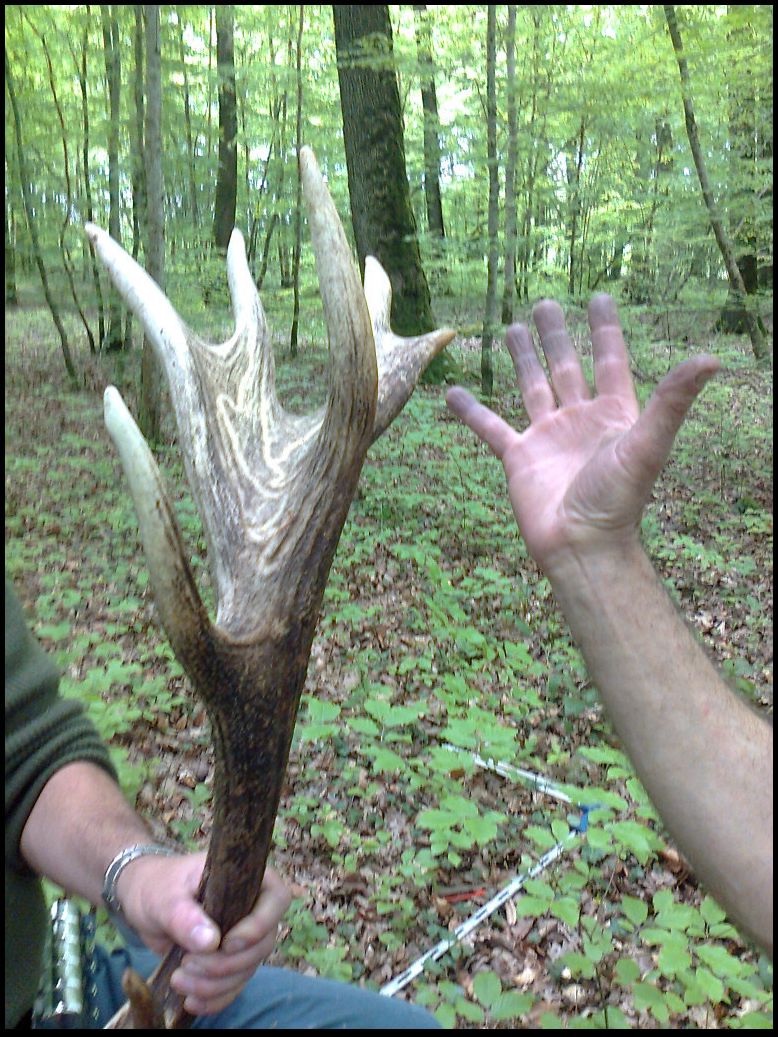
x=471, y=923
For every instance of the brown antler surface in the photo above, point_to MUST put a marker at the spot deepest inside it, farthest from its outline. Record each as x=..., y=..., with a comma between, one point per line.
x=273, y=491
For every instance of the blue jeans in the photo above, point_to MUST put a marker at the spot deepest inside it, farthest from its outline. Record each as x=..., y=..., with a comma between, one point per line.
x=273, y=999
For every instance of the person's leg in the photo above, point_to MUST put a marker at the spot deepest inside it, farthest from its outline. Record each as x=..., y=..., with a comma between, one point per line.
x=275, y=999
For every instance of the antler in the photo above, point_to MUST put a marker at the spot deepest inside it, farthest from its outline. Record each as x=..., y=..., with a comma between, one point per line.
x=273, y=491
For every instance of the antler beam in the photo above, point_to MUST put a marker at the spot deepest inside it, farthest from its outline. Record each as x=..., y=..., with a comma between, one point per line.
x=273, y=491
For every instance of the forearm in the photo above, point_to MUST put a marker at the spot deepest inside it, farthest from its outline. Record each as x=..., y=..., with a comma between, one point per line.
x=703, y=755
x=79, y=823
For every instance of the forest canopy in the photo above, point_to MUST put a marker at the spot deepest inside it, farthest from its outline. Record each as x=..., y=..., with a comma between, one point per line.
x=589, y=131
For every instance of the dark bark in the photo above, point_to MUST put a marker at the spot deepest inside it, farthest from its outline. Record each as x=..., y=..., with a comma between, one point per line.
x=509, y=285
x=150, y=404
x=429, y=104
x=225, y=204
x=381, y=212
x=298, y=211
x=490, y=315
x=11, y=295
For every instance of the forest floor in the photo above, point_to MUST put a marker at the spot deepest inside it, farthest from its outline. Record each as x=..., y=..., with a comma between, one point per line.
x=436, y=629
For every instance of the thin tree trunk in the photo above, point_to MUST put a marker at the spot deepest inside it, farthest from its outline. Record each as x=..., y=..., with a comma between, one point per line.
x=114, y=339
x=490, y=314
x=726, y=247
x=82, y=82
x=509, y=286
x=575, y=203
x=298, y=217
x=138, y=161
x=28, y=210
x=63, y=248
x=150, y=380
x=11, y=296
x=188, y=126
x=429, y=104
x=225, y=205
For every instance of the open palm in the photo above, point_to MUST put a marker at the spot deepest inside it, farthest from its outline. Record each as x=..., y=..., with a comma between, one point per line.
x=581, y=473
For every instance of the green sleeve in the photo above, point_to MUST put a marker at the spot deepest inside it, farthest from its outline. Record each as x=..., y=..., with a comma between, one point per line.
x=43, y=731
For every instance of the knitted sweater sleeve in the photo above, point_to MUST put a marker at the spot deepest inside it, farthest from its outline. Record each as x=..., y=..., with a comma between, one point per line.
x=43, y=730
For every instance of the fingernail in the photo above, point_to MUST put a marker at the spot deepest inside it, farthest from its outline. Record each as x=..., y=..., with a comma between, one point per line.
x=203, y=936
x=234, y=946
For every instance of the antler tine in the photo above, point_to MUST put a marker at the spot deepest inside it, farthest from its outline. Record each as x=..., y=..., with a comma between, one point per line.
x=353, y=369
x=401, y=361
x=180, y=607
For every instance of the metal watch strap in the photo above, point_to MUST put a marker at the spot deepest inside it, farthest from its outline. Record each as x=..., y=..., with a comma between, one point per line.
x=120, y=862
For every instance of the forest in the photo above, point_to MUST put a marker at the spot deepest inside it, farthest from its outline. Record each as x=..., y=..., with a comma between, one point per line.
x=489, y=157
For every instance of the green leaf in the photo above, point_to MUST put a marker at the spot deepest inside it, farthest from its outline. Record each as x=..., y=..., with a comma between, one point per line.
x=473, y=1013
x=567, y=909
x=673, y=958
x=711, y=912
x=719, y=960
x=648, y=998
x=627, y=971
x=511, y=1005
x=635, y=910
x=713, y=987
x=487, y=988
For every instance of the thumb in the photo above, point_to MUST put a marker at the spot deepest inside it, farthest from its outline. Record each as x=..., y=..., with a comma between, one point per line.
x=191, y=928
x=647, y=445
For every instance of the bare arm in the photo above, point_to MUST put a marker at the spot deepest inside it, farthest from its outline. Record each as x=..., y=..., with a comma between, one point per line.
x=78, y=825
x=578, y=479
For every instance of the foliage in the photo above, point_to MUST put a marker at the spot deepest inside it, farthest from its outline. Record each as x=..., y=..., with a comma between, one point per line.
x=606, y=193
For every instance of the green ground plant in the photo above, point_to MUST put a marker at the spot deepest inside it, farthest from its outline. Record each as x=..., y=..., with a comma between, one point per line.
x=437, y=631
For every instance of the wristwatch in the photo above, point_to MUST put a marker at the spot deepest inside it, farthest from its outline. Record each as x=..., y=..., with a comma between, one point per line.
x=117, y=866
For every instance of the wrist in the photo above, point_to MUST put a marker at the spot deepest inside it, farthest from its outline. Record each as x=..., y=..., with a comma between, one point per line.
x=586, y=568
x=114, y=881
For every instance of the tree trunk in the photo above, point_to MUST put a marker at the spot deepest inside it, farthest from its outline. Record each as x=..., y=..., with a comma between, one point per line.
x=11, y=296
x=138, y=161
x=194, y=208
x=114, y=340
x=490, y=314
x=429, y=104
x=227, y=181
x=574, y=183
x=737, y=287
x=298, y=212
x=381, y=212
x=149, y=413
x=509, y=286
x=28, y=210
x=63, y=247
x=82, y=82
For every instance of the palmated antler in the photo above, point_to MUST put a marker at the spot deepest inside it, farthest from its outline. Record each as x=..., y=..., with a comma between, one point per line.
x=273, y=491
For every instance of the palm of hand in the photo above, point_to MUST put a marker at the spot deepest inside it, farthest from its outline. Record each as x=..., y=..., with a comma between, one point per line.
x=567, y=481
x=580, y=475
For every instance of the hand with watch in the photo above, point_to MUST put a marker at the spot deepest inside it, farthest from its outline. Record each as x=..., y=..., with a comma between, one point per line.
x=152, y=889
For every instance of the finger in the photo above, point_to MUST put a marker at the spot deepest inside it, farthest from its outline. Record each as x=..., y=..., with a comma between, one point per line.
x=563, y=364
x=205, y=987
x=263, y=920
x=535, y=390
x=496, y=433
x=209, y=998
x=648, y=443
x=612, y=376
